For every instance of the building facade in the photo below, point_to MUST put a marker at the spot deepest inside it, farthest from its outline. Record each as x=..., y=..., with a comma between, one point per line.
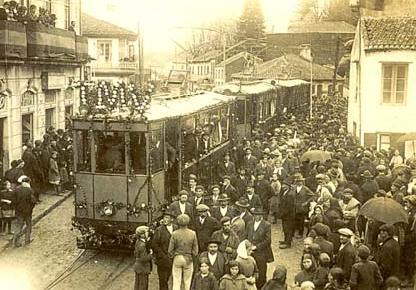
x=235, y=64
x=382, y=94
x=39, y=68
x=114, y=50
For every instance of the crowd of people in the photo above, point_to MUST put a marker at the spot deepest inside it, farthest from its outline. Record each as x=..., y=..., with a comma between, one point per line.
x=42, y=169
x=218, y=236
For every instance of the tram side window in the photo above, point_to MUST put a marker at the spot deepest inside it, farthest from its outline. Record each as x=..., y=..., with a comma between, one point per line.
x=83, y=147
x=215, y=127
x=138, y=152
x=156, y=152
x=110, y=152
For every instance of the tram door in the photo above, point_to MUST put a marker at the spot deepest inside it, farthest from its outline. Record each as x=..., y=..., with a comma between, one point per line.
x=172, y=130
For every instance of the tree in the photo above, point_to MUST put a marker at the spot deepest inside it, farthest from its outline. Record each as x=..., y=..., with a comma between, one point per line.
x=251, y=22
x=328, y=10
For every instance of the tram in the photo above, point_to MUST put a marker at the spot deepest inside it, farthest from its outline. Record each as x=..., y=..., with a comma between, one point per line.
x=131, y=156
x=261, y=103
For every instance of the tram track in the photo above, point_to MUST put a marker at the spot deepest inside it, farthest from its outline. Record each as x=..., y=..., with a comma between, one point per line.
x=88, y=269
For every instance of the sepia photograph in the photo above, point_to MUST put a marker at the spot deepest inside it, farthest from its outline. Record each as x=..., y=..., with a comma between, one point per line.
x=207, y=145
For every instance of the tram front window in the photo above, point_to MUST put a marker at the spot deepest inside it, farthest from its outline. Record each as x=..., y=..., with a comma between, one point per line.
x=110, y=152
x=83, y=151
x=138, y=152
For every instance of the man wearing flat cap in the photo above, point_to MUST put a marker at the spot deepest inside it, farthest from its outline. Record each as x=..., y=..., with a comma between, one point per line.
x=250, y=162
x=205, y=226
x=350, y=207
x=264, y=167
x=182, y=206
x=388, y=252
x=259, y=234
x=160, y=244
x=228, y=238
x=224, y=210
x=143, y=259
x=216, y=259
x=347, y=254
x=383, y=181
x=253, y=199
x=199, y=196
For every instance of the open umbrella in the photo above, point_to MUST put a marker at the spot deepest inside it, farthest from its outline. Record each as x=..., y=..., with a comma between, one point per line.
x=315, y=155
x=385, y=210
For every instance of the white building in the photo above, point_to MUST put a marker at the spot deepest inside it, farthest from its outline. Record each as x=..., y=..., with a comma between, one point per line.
x=382, y=98
x=202, y=68
x=113, y=48
x=39, y=64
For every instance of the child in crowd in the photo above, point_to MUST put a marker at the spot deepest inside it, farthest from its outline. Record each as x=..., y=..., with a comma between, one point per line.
x=365, y=274
x=278, y=282
x=308, y=267
x=7, y=212
x=392, y=283
x=234, y=280
x=307, y=285
x=336, y=280
x=204, y=279
x=320, y=278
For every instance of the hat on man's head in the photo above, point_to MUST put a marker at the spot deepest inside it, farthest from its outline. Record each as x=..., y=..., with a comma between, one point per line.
x=214, y=241
x=225, y=219
x=215, y=186
x=242, y=202
x=320, y=176
x=183, y=192
x=23, y=178
x=199, y=187
x=298, y=177
x=250, y=184
x=202, y=207
x=345, y=232
x=411, y=199
x=381, y=168
x=257, y=211
x=192, y=177
x=223, y=197
x=348, y=191
x=226, y=177
x=141, y=230
x=367, y=174
x=169, y=213
x=387, y=228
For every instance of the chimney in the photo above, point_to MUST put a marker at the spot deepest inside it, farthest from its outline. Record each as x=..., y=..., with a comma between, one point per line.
x=306, y=52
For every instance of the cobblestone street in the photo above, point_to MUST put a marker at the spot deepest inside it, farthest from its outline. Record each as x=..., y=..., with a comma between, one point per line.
x=54, y=249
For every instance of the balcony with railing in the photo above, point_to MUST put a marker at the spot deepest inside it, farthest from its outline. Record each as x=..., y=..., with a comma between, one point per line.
x=122, y=66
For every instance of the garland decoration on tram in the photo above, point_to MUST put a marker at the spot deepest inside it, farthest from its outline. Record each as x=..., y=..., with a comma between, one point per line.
x=108, y=207
x=118, y=101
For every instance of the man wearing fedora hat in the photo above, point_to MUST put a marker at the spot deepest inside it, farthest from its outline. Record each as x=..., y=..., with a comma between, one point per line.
x=229, y=189
x=252, y=198
x=228, y=238
x=260, y=235
x=249, y=162
x=287, y=215
x=160, y=244
x=224, y=210
x=241, y=218
x=369, y=187
x=216, y=258
x=303, y=196
x=227, y=167
x=205, y=226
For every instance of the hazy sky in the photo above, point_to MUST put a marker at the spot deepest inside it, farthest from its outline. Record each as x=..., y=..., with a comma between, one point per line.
x=158, y=18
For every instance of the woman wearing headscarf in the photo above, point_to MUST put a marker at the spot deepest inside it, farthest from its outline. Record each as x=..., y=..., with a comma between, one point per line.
x=248, y=266
x=308, y=266
x=278, y=282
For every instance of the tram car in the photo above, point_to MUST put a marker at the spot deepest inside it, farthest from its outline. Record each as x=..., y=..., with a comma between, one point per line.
x=131, y=153
x=261, y=104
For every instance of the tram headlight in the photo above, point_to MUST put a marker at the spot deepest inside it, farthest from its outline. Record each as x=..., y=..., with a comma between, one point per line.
x=108, y=211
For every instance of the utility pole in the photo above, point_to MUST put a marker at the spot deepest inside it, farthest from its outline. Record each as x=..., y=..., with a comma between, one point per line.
x=141, y=58
x=336, y=64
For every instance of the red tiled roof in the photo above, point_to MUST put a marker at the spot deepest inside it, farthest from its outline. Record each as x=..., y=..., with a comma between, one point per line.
x=93, y=27
x=389, y=33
